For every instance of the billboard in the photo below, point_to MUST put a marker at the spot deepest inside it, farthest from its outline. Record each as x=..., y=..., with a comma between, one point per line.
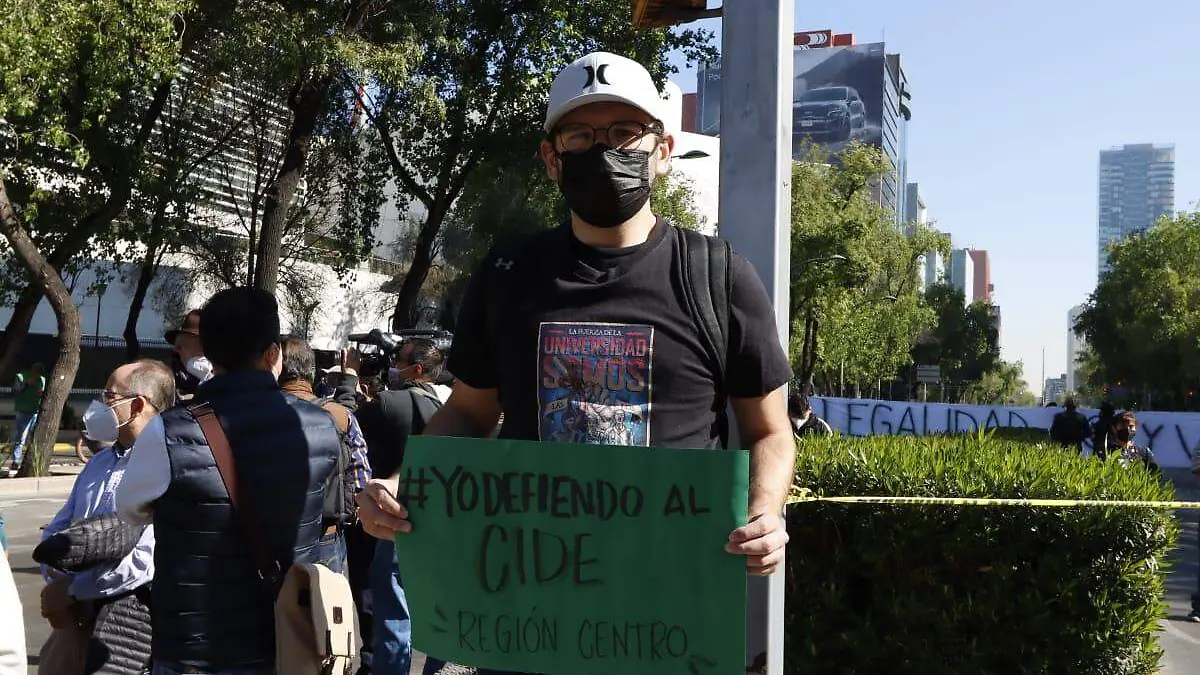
x=837, y=96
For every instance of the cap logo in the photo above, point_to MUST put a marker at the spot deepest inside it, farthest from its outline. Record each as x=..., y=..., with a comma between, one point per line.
x=595, y=75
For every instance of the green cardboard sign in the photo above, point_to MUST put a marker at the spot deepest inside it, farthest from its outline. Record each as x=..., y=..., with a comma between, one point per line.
x=567, y=559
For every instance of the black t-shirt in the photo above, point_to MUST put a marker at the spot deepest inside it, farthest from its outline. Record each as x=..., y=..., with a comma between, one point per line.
x=597, y=346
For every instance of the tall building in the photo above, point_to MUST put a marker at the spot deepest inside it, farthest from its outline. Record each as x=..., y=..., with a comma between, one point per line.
x=1054, y=389
x=961, y=273
x=915, y=211
x=931, y=269
x=1075, y=347
x=1136, y=188
x=842, y=92
x=981, y=289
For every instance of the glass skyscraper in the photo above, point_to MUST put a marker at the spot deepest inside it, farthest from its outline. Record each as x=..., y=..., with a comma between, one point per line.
x=1137, y=187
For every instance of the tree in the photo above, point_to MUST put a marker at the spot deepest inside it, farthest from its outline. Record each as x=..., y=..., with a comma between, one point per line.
x=80, y=82
x=964, y=342
x=1001, y=386
x=314, y=47
x=854, y=273
x=1142, y=323
x=478, y=95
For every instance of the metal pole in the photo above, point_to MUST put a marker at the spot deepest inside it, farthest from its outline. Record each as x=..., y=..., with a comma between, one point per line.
x=755, y=211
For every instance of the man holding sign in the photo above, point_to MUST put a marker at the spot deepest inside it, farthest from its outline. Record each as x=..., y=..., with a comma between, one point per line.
x=591, y=332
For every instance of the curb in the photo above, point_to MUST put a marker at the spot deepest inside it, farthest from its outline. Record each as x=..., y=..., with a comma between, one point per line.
x=57, y=484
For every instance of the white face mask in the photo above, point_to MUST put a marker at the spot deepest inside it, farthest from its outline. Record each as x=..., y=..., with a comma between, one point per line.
x=100, y=422
x=199, y=367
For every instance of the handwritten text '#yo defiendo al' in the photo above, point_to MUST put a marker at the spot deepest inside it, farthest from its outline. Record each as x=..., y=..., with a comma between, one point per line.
x=533, y=555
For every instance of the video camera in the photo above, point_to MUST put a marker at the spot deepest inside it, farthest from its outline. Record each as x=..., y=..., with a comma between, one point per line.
x=379, y=348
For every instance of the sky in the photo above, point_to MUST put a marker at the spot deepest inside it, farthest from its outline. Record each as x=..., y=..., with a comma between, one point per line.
x=1012, y=103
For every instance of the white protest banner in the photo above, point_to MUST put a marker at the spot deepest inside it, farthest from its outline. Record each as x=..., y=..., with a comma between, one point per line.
x=1173, y=436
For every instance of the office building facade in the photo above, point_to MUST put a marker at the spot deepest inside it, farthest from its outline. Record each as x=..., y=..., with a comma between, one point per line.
x=981, y=288
x=842, y=92
x=1075, y=348
x=1136, y=188
x=961, y=273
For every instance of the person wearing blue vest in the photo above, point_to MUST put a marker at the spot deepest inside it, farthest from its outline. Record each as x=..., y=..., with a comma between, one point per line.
x=213, y=611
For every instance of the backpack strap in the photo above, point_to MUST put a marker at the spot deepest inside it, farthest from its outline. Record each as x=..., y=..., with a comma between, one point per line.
x=707, y=287
x=269, y=569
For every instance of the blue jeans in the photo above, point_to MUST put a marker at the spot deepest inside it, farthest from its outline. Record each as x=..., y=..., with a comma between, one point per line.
x=390, y=623
x=22, y=430
x=331, y=552
x=161, y=668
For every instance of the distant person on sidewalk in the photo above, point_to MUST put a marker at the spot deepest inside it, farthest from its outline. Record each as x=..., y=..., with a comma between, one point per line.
x=28, y=389
x=804, y=421
x=119, y=640
x=1070, y=428
x=1121, y=446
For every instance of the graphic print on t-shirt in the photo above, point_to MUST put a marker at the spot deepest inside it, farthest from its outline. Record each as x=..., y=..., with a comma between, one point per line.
x=594, y=383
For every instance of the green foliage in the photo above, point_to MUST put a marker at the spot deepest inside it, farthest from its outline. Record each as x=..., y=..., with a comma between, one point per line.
x=944, y=590
x=1001, y=386
x=477, y=96
x=674, y=199
x=965, y=341
x=867, y=306
x=1143, y=321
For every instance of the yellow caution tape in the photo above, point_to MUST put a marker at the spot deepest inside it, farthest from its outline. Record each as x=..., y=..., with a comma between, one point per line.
x=806, y=496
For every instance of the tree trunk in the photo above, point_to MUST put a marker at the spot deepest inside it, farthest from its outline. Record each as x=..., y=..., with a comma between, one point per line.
x=62, y=376
x=145, y=277
x=307, y=102
x=407, y=310
x=16, y=331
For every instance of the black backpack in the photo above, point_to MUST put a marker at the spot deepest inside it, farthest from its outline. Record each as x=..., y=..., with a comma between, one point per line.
x=339, y=506
x=702, y=273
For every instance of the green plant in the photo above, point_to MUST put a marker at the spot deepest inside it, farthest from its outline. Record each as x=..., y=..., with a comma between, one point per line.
x=935, y=590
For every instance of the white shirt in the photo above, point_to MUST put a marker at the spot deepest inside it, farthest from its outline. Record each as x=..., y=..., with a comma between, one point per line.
x=12, y=624
x=147, y=475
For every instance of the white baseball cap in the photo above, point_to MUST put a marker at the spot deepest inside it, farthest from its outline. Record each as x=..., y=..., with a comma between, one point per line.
x=602, y=77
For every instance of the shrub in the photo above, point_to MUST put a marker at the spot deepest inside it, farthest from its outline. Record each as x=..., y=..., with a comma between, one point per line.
x=929, y=590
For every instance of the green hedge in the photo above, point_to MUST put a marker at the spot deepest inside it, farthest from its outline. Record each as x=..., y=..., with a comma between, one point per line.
x=930, y=590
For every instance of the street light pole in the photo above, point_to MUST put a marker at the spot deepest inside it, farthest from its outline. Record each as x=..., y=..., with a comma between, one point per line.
x=755, y=214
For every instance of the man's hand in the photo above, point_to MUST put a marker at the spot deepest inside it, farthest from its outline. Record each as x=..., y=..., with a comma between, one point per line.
x=379, y=512
x=57, y=604
x=762, y=540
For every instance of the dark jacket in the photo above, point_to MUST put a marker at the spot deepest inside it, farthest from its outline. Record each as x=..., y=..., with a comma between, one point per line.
x=212, y=611
x=390, y=419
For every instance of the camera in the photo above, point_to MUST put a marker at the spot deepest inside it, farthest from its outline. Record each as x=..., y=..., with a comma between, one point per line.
x=379, y=348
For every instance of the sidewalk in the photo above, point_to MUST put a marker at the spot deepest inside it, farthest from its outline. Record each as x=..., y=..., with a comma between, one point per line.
x=57, y=484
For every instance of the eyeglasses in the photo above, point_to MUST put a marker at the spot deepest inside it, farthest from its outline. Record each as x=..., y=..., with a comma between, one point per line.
x=114, y=396
x=578, y=137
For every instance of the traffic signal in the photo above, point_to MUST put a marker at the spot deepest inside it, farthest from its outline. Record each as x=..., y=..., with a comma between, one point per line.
x=661, y=13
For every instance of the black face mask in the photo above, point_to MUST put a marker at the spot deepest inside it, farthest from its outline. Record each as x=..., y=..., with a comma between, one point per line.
x=1123, y=435
x=604, y=186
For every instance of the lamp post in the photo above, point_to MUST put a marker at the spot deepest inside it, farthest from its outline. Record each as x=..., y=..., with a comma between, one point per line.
x=99, y=290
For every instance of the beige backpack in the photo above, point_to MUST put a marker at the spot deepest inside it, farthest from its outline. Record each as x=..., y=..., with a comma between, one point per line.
x=315, y=621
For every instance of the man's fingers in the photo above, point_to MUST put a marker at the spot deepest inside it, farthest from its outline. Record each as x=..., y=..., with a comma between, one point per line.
x=381, y=515
x=758, y=526
x=761, y=546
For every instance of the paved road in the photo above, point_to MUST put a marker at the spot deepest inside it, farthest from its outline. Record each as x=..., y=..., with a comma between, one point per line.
x=1180, y=639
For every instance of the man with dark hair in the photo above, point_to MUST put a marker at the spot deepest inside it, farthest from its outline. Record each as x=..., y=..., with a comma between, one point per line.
x=133, y=395
x=1121, y=445
x=188, y=361
x=1070, y=427
x=683, y=324
x=296, y=377
x=804, y=421
x=213, y=606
